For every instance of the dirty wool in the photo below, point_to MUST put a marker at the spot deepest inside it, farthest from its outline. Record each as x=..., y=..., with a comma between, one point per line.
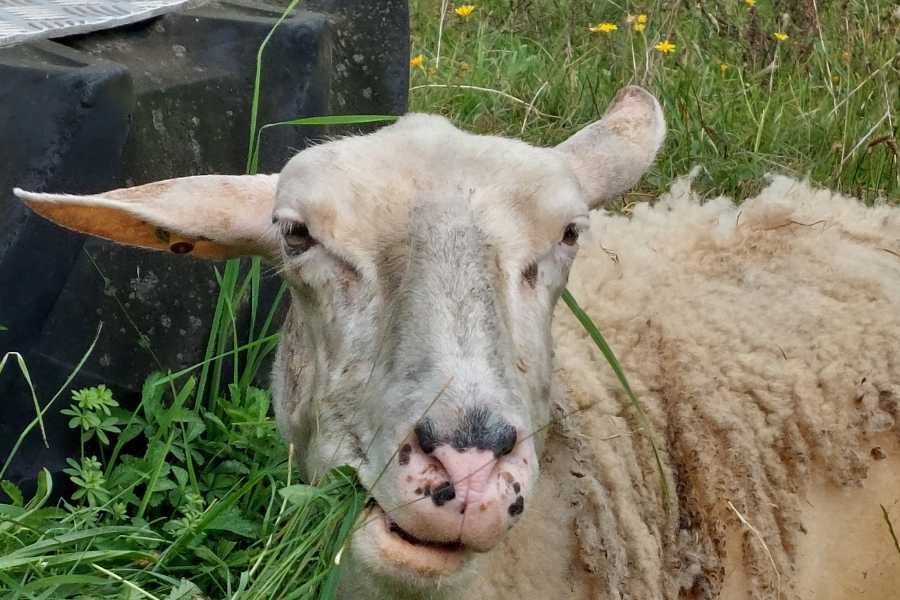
x=764, y=342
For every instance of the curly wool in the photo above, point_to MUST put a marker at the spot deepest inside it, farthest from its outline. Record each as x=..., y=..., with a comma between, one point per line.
x=764, y=342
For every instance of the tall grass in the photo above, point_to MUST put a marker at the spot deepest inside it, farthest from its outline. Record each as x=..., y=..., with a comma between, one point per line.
x=823, y=103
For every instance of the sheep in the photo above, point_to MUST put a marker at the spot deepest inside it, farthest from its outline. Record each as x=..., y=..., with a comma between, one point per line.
x=424, y=265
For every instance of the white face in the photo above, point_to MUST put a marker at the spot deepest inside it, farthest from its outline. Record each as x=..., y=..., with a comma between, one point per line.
x=418, y=346
x=424, y=264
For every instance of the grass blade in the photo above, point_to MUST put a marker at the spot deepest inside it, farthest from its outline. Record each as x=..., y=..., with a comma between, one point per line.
x=610, y=357
x=890, y=526
x=42, y=411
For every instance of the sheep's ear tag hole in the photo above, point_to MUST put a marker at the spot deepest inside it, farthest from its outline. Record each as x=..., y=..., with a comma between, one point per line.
x=181, y=247
x=176, y=246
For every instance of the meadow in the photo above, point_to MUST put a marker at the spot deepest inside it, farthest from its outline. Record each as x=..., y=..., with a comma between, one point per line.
x=192, y=495
x=748, y=87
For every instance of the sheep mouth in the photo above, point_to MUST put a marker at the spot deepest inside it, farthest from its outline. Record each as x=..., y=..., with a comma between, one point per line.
x=411, y=539
x=406, y=553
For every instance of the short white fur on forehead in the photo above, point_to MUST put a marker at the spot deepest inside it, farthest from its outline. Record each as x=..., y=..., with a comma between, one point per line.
x=358, y=192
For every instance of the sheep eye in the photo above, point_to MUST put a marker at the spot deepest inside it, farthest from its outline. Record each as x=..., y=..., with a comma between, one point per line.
x=570, y=237
x=297, y=238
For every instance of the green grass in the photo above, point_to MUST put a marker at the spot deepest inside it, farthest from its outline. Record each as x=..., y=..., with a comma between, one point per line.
x=191, y=493
x=824, y=103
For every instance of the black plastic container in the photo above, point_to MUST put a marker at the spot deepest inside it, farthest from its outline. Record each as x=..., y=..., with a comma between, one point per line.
x=164, y=98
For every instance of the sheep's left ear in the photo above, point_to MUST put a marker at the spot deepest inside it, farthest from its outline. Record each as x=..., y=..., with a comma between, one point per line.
x=610, y=155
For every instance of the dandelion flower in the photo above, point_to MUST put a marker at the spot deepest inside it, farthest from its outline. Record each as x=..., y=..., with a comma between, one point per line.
x=780, y=36
x=750, y=2
x=464, y=10
x=640, y=23
x=416, y=61
x=722, y=68
x=665, y=46
x=604, y=28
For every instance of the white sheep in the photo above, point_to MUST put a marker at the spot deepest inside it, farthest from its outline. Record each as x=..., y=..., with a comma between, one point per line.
x=424, y=266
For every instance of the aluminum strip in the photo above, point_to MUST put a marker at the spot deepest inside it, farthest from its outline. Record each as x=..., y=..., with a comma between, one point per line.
x=28, y=20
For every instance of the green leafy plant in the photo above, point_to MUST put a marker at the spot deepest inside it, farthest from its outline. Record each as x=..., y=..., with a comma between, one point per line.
x=88, y=477
x=91, y=413
x=588, y=324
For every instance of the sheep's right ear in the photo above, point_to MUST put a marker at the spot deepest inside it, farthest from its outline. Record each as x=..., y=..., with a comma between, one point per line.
x=210, y=216
x=610, y=155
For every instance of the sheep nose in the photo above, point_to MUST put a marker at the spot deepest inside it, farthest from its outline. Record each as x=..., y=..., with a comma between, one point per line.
x=475, y=476
x=477, y=430
x=468, y=495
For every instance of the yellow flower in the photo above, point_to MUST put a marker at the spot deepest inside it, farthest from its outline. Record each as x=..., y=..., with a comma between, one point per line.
x=639, y=27
x=604, y=28
x=722, y=68
x=750, y=2
x=642, y=19
x=416, y=61
x=780, y=36
x=665, y=46
x=464, y=10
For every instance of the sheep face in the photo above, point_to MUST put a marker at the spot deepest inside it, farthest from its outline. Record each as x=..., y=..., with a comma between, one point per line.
x=424, y=264
x=418, y=345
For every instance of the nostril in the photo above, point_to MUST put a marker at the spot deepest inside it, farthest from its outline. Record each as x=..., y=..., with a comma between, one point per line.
x=479, y=428
x=506, y=440
x=443, y=493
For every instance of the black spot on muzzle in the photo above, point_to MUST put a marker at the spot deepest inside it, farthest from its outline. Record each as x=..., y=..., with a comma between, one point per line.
x=478, y=428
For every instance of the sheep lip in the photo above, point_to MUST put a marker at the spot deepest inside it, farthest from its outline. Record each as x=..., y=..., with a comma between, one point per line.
x=411, y=539
x=407, y=553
